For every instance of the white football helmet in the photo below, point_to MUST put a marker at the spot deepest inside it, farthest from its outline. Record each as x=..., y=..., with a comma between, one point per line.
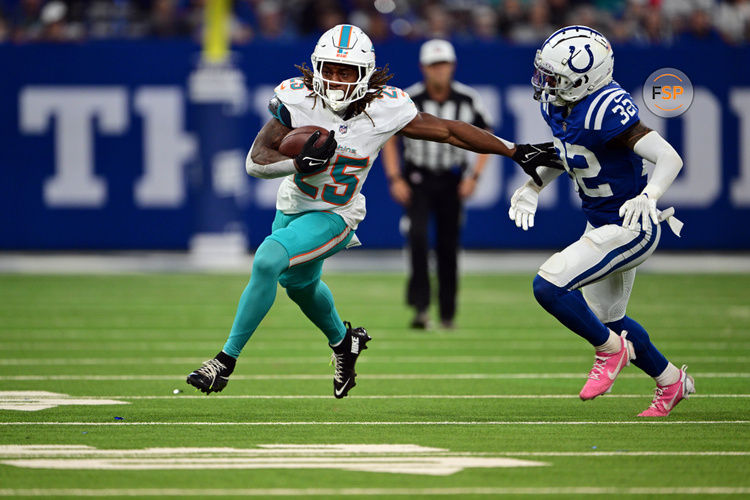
x=343, y=44
x=573, y=62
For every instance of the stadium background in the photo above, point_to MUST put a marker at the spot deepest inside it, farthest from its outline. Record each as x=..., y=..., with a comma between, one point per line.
x=107, y=145
x=111, y=140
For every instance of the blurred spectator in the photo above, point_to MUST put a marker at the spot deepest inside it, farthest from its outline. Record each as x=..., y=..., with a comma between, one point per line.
x=114, y=19
x=53, y=20
x=373, y=23
x=166, y=21
x=485, y=23
x=589, y=16
x=511, y=15
x=4, y=32
x=700, y=28
x=518, y=21
x=330, y=17
x=653, y=27
x=437, y=22
x=537, y=29
x=680, y=9
x=272, y=21
x=26, y=22
x=558, y=9
x=732, y=19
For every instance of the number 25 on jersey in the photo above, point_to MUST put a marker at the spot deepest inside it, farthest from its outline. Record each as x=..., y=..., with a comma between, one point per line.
x=344, y=184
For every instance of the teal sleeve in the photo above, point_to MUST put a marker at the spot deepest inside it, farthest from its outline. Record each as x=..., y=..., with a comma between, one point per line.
x=279, y=111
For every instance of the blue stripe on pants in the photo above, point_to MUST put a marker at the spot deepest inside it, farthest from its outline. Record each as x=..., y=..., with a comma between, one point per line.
x=583, y=278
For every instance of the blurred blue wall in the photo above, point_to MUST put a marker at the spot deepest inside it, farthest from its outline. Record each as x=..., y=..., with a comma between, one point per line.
x=100, y=145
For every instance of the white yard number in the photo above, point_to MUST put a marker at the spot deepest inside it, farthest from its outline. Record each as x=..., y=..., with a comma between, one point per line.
x=575, y=154
x=625, y=107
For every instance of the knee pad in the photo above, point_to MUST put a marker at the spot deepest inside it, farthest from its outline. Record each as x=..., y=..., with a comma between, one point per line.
x=553, y=269
x=546, y=292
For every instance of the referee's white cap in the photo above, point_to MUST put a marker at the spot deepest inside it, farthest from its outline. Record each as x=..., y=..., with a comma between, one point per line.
x=435, y=51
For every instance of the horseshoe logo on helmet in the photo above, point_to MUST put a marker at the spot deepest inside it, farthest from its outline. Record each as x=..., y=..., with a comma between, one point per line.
x=587, y=47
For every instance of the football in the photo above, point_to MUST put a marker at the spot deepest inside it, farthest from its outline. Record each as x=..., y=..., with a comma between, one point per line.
x=291, y=144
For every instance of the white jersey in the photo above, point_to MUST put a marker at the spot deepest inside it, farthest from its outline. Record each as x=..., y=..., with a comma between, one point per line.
x=360, y=139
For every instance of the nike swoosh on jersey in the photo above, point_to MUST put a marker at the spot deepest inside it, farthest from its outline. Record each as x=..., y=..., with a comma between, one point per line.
x=339, y=392
x=617, y=368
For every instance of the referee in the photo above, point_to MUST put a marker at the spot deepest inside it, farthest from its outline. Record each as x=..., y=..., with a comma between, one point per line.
x=435, y=180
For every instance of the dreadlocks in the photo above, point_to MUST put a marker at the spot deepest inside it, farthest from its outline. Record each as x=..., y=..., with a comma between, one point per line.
x=379, y=78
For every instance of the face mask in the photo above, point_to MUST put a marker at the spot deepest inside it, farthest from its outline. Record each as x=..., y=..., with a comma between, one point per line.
x=334, y=96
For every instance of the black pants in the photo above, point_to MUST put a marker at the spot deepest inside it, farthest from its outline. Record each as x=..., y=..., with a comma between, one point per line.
x=434, y=194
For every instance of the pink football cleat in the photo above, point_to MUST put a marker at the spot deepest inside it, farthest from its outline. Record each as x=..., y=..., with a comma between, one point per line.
x=668, y=396
x=605, y=370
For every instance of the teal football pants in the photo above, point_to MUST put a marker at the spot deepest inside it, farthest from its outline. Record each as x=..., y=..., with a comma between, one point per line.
x=292, y=256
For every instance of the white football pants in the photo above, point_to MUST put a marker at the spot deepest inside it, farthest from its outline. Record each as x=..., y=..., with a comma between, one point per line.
x=602, y=264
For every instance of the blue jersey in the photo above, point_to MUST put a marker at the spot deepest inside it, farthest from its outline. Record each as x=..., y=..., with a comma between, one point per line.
x=605, y=176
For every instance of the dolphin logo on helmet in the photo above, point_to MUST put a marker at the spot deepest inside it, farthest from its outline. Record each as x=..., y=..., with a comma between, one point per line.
x=343, y=44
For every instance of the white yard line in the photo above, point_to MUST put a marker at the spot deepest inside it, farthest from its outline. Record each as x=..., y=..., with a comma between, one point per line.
x=618, y=453
x=313, y=450
x=362, y=260
x=319, y=359
x=382, y=376
x=410, y=396
x=332, y=492
x=445, y=422
x=438, y=344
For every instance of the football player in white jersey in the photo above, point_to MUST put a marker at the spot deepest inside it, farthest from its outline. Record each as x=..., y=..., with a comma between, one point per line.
x=319, y=203
x=602, y=144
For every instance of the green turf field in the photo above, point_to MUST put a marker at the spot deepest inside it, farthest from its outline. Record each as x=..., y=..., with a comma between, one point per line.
x=490, y=408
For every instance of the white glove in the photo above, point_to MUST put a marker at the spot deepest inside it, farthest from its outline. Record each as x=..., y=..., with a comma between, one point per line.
x=523, y=206
x=639, y=209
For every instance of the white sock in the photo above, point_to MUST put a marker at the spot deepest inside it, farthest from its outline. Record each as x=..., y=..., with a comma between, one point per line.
x=338, y=343
x=669, y=376
x=612, y=345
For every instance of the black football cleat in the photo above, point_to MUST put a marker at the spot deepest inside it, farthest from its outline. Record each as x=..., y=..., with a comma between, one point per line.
x=421, y=321
x=344, y=358
x=212, y=376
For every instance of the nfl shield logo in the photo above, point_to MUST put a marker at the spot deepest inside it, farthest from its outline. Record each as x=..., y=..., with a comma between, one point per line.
x=343, y=129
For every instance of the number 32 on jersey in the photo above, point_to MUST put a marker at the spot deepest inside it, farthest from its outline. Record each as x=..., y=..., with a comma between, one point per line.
x=582, y=165
x=344, y=184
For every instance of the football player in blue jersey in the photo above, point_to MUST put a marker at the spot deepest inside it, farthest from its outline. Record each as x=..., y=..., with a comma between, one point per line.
x=602, y=144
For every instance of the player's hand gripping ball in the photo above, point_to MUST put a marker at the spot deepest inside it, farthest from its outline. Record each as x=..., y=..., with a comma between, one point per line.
x=311, y=147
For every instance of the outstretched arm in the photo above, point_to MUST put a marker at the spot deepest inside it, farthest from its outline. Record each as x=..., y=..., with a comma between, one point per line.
x=457, y=133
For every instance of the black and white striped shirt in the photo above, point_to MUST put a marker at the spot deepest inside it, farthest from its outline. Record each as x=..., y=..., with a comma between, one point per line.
x=463, y=104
